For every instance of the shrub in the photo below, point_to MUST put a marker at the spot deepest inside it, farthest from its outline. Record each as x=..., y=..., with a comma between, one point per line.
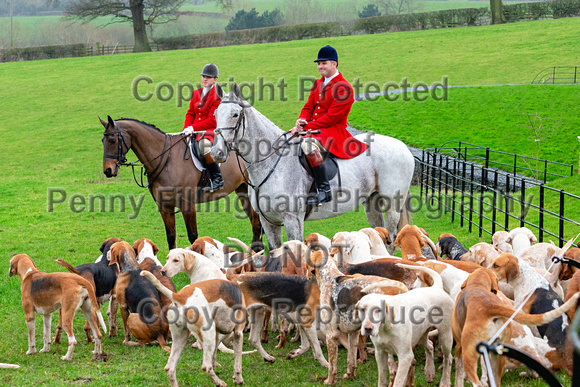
x=565, y=8
x=43, y=52
x=246, y=20
x=369, y=10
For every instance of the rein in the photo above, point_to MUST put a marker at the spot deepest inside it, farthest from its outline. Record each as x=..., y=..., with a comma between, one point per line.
x=241, y=123
x=122, y=160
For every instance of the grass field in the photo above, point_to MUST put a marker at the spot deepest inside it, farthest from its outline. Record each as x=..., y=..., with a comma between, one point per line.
x=51, y=139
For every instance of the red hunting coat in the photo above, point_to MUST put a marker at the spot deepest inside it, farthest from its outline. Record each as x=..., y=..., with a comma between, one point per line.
x=200, y=114
x=327, y=110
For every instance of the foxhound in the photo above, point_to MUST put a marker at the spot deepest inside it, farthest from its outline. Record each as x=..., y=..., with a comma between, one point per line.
x=212, y=311
x=478, y=314
x=397, y=323
x=45, y=293
x=138, y=300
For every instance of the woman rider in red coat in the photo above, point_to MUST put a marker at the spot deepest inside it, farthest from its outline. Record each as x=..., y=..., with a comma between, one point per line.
x=200, y=117
x=327, y=108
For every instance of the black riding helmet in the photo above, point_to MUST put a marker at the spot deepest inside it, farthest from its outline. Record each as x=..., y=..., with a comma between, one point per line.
x=210, y=70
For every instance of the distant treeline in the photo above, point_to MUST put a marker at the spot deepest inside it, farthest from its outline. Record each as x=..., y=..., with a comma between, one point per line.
x=377, y=24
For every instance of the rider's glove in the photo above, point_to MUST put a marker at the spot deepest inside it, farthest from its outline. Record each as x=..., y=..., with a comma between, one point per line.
x=188, y=130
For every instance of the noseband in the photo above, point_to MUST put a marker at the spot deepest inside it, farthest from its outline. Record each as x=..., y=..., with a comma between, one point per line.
x=120, y=157
x=240, y=123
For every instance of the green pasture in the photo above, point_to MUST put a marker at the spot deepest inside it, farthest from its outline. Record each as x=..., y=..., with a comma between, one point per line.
x=51, y=142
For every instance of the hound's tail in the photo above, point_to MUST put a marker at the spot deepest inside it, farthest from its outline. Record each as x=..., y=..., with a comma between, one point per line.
x=4, y=365
x=67, y=265
x=225, y=349
x=242, y=244
x=95, y=305
x=162, y=288
x=541, y=319
x=437, y=282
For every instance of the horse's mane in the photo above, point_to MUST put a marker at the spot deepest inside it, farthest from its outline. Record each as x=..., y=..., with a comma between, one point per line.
x=143, y=123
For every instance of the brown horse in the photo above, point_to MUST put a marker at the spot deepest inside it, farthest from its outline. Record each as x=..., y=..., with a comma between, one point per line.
x=172, y=177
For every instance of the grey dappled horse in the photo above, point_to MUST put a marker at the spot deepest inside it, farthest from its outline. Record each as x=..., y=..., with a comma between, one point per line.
x=380, y=177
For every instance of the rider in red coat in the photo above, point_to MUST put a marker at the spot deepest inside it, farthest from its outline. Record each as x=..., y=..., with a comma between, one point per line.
x=200, y=117
x=327, y=108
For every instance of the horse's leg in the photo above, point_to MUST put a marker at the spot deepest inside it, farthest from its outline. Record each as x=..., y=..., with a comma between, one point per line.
x=392, y=216
x=189, y=216
x=374, y=212
x=257, y=243
x=168, y=216
x=294, y=225
x=273, y=234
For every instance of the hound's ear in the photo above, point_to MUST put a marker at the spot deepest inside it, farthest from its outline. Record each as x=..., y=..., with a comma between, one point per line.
x=188, y=261
x=155, y=248
x=104, y=123
x=398, y=240
x=112, y=257
x=384, y=233
x=219, y=91
x=494, y=283
x=111, y=122
x=533, y=239
x=236, y=90
x=512, y=271
x=464, y=284
x=136, y=246
x=355, y=313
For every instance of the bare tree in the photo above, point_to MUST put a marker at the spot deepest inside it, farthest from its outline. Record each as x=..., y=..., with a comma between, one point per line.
x=540, y=129
x=397, y=7
x=141, y=13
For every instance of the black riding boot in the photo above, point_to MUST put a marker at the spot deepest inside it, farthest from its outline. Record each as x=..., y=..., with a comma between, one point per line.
x=215, y=177
x=322, y=184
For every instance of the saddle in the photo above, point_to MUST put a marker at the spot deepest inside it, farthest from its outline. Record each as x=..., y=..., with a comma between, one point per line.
x=204, y=178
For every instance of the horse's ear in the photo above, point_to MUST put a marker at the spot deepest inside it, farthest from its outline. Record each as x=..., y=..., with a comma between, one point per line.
x=104, y=123
x=219, y=91
x=111, y=122
x=236, y=90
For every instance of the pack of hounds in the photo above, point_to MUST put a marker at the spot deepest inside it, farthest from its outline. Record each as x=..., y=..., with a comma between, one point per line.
x=331, y=292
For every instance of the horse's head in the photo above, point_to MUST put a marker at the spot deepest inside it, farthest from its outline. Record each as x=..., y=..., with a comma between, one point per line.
x=115, y=147
x=230, y=120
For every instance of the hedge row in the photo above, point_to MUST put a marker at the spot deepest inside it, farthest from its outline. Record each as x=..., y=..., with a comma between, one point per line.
x=542, y=10
x=377, y=24
x=252, y=36
x=43, y=52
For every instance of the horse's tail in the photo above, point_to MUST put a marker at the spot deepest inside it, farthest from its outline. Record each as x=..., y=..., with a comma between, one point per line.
x=405, y=217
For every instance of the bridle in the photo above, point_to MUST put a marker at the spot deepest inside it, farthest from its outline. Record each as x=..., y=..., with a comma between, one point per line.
x=120, y=156
x=232, y=146
x=122, y=160
x=240, y=123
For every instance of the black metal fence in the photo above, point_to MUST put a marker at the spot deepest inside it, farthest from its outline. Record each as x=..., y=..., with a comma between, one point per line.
x=540, y=169
x=557, y=75
x=490, y=199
